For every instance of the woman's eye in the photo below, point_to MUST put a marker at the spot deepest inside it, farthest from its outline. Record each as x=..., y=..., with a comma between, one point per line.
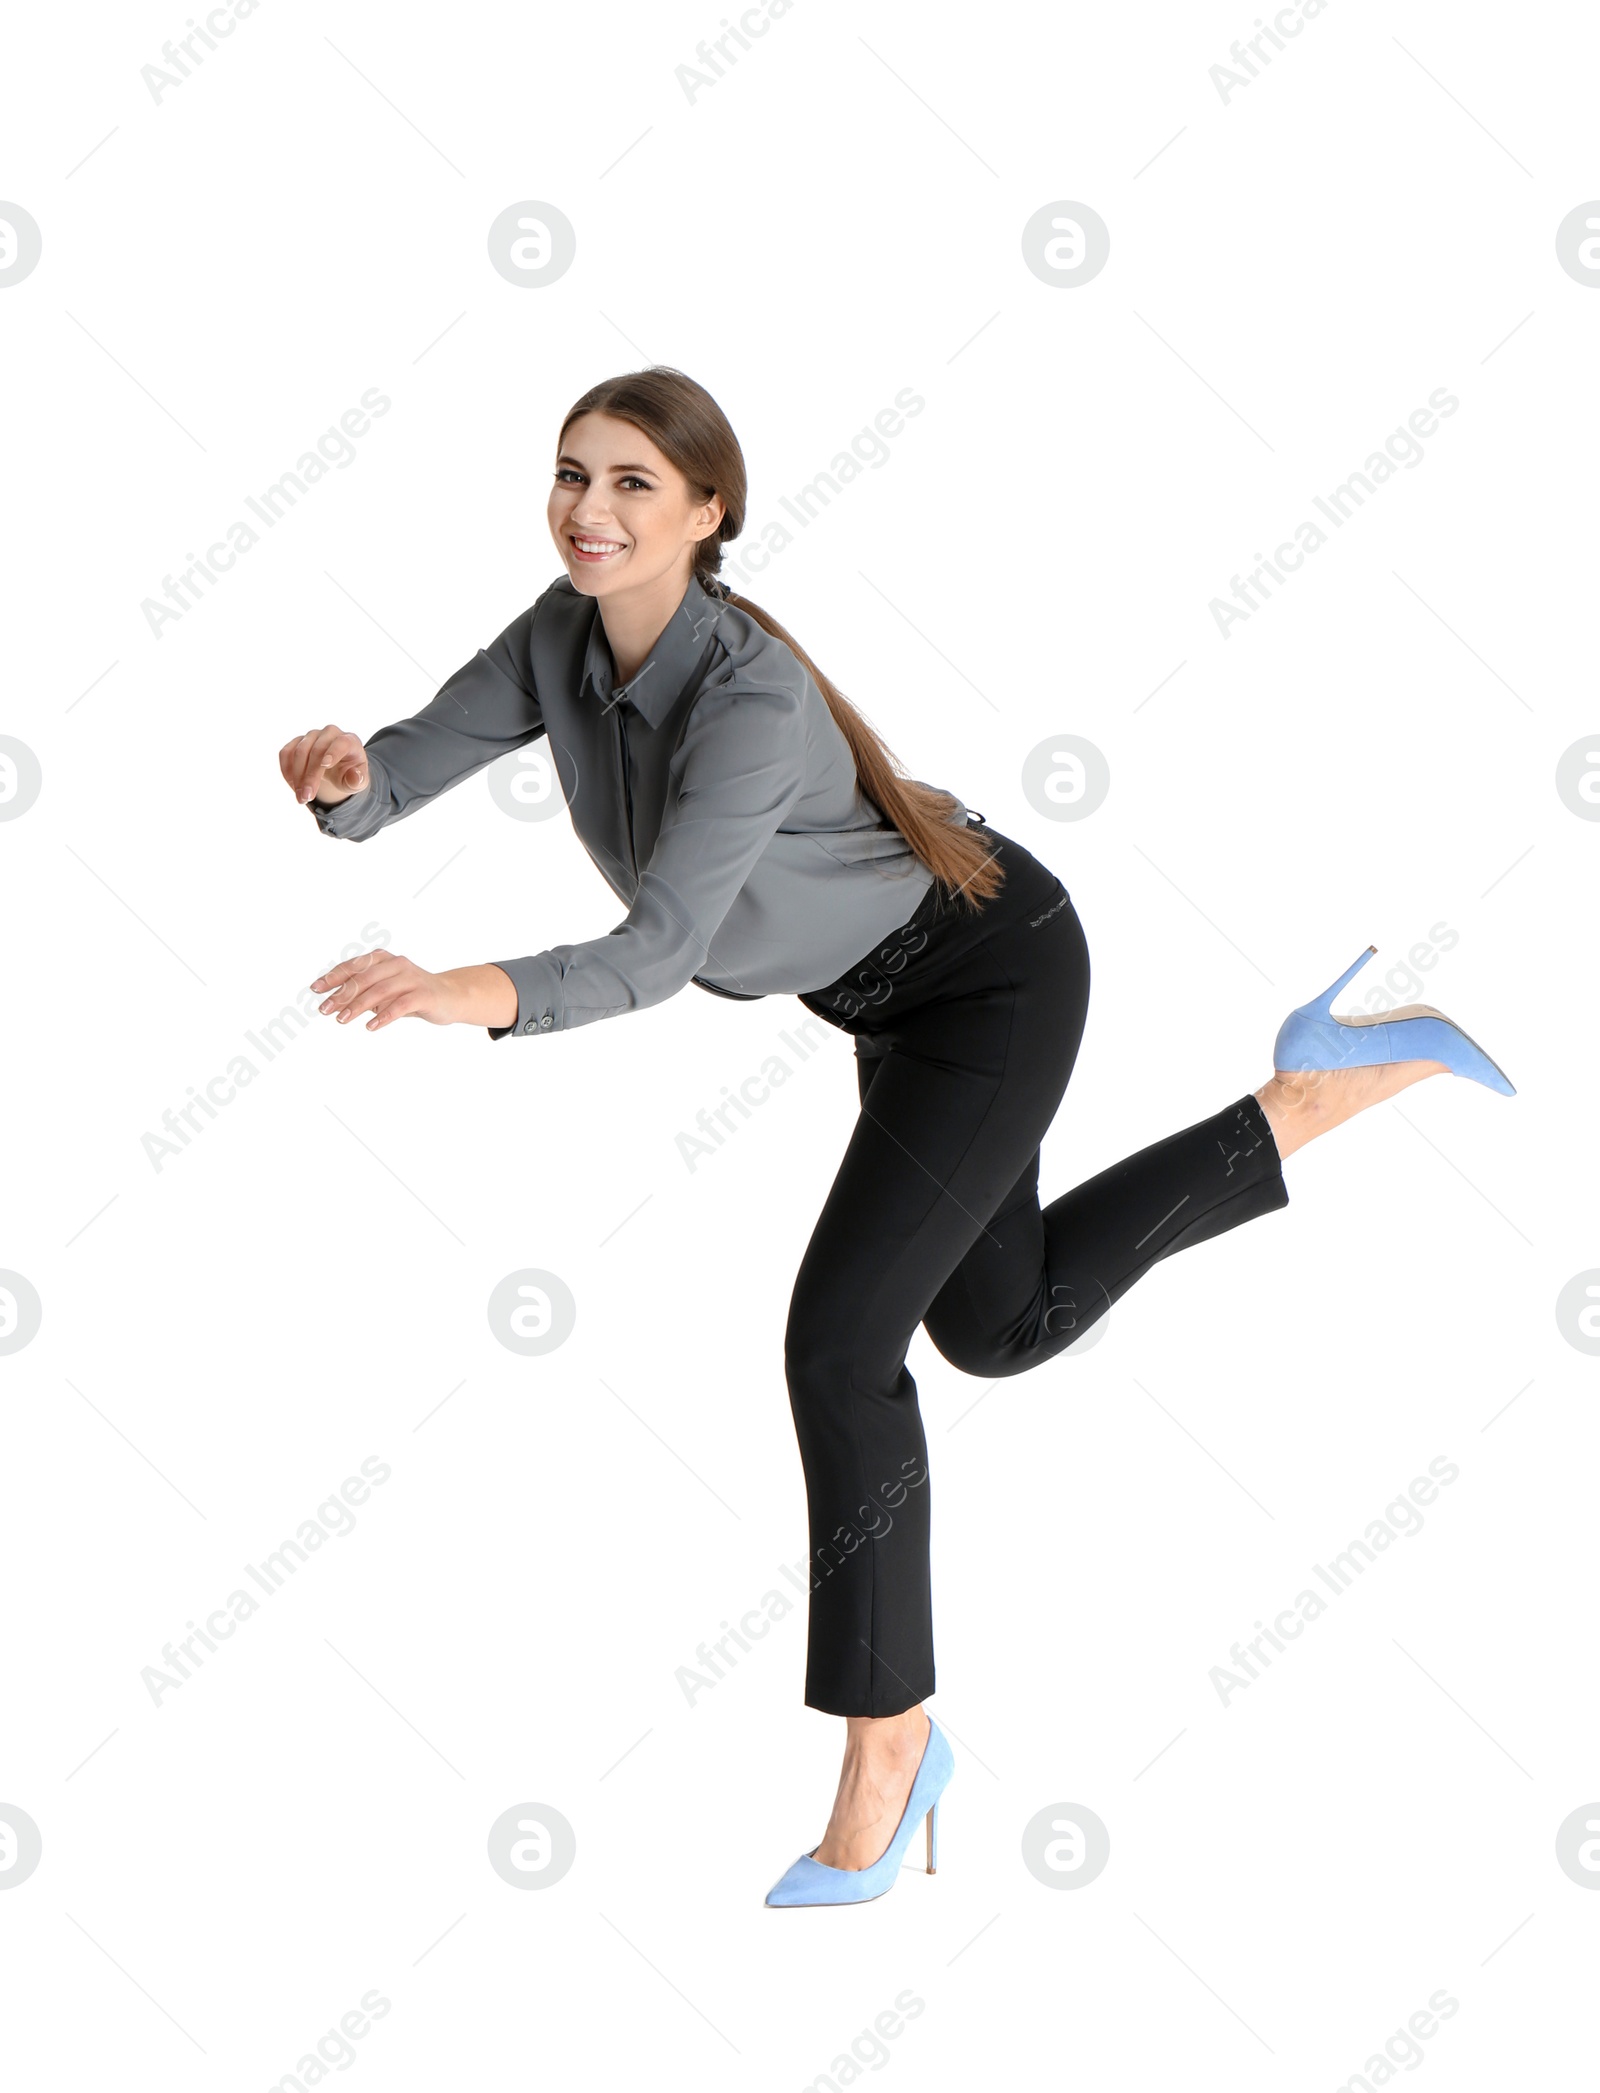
x=631, y=480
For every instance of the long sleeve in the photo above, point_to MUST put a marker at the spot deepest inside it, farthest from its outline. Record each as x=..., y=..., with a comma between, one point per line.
x=485, y=709
x=737, y=772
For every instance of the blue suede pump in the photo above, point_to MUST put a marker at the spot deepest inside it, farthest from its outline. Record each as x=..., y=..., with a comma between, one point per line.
x=810, y=1882
x=1312, y=1037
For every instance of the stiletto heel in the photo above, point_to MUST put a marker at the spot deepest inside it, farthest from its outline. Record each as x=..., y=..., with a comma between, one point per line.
x=813, y=1882
x=1323, y=1005
x=1311, y=1037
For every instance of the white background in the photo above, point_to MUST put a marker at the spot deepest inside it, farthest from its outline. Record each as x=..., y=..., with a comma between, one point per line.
x=227, y=1337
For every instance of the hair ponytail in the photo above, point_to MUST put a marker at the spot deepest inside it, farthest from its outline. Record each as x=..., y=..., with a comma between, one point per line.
x=688, y=427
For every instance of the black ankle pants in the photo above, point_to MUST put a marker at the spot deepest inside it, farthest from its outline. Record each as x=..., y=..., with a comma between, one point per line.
x=966, y=1028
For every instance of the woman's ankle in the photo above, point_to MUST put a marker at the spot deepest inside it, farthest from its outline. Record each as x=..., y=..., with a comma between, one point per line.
x=1288, y=1106
x=887, y=1736
x=1300, y=1106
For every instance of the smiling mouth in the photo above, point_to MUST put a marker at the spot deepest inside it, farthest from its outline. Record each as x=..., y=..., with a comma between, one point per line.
x=595, y=548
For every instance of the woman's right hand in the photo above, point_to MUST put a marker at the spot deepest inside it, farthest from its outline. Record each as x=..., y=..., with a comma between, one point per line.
x=325, y=763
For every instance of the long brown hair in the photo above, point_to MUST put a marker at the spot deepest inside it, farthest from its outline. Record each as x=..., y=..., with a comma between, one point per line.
x=689, y=428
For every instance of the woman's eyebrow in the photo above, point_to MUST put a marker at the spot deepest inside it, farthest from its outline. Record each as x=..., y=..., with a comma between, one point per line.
x=566, y=458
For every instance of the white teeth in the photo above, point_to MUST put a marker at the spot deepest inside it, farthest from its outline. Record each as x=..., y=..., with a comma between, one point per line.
x=595, y=545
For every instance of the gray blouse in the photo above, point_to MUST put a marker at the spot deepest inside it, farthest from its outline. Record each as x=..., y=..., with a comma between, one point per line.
x=714, y=791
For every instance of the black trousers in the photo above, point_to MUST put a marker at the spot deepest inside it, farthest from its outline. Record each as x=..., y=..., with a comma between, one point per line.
x=966, y=1028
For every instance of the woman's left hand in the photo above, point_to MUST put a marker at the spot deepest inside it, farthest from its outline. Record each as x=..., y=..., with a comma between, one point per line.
x=391, y=986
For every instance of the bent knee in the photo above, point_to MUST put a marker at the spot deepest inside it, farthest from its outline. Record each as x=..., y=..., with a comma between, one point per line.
x=992, y=1355
x=983, y=1357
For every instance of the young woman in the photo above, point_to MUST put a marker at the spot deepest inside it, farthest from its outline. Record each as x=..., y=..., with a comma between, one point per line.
x=765, y=842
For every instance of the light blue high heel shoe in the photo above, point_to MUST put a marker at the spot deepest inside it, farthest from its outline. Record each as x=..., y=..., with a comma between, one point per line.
x=1312, y=1037
x=811, y=1882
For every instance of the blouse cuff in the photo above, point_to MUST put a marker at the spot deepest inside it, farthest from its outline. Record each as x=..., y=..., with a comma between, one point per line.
x=540, y=1008
x=359, y=816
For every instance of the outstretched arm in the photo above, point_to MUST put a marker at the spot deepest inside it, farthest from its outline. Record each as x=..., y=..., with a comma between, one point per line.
x=738, y=771
x=485, y=709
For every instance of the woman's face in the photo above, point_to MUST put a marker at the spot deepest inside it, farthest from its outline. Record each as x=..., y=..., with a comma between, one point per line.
x=621, y=514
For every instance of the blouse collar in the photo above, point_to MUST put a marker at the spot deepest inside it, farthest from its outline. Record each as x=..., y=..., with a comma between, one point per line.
x=665, y=673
